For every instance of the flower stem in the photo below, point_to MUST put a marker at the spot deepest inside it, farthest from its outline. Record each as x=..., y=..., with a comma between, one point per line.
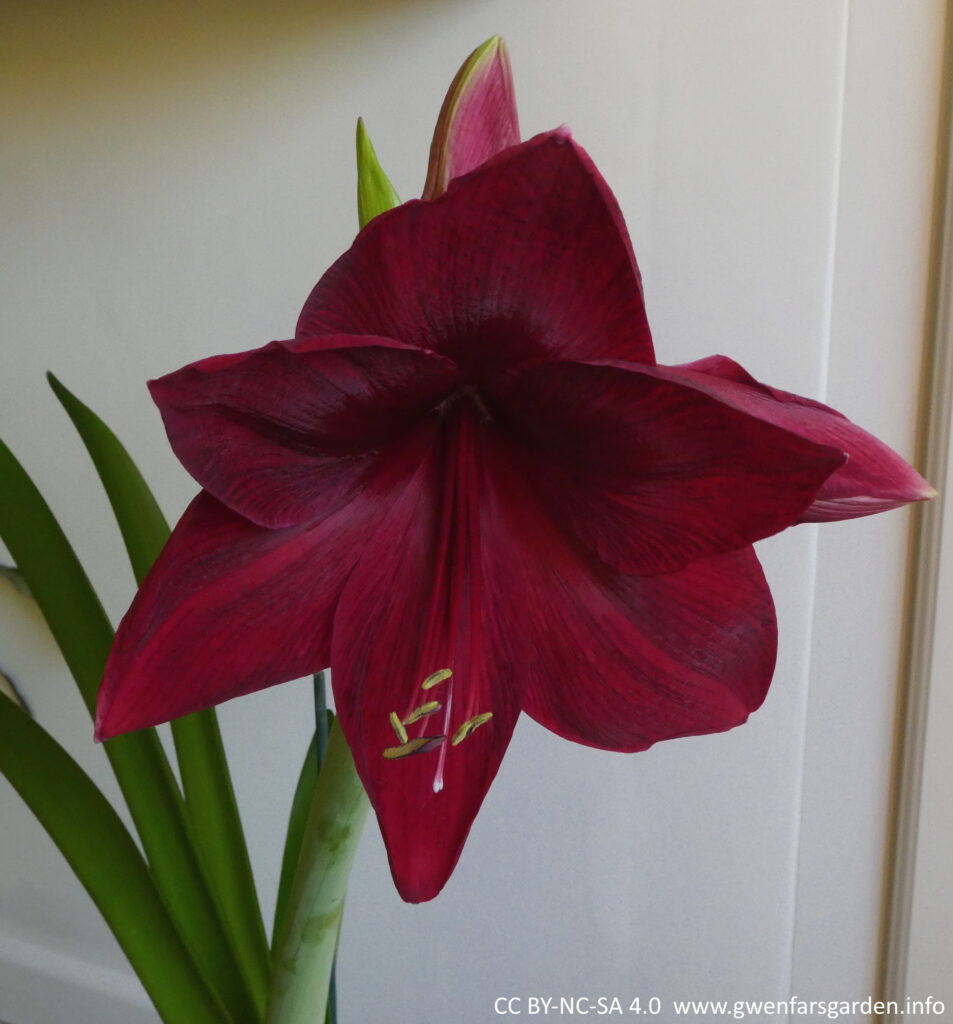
x=320, y=715
x=320, y=749
x=306, y=950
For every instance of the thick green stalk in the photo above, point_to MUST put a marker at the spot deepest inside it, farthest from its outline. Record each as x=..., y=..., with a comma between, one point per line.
x=89, y=833
x=210, y=798
x=306, y=950
x=81, y=629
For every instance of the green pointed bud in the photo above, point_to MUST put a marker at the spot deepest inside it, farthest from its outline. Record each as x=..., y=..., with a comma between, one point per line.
x=375, y=193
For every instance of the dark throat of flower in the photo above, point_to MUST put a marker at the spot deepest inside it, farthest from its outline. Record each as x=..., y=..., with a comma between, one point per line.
x=454, y=405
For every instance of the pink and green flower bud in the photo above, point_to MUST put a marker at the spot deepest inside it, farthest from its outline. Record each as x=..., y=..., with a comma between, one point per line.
x=478, y=118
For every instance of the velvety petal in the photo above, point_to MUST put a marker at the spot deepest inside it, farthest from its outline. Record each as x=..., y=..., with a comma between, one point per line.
x=423, y=599
x=478, y=118
x=682, y=654
x=873, y=479
x=525, y=257
x=648, y=472
x=230, y=607
x=622, y=661
x=285, y=434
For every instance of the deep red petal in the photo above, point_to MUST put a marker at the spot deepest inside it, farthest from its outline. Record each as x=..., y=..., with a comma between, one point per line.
x=424, y=598
x=683, y=654
x=282, y=435
x=621, y=661
x=650, y=473
x=873, y=479
x=525, y=257
x=478, y=118
x=231, y=607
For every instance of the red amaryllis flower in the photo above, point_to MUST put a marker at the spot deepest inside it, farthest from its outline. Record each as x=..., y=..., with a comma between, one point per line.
x=467, y=486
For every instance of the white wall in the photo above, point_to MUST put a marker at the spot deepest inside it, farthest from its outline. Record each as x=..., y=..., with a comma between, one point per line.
x=175, y=182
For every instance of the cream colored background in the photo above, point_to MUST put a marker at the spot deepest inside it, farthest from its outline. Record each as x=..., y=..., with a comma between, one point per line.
x=176, y=177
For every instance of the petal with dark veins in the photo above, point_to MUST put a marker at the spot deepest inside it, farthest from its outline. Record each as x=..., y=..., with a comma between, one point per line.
x=525, y=257
x=648, y=472
x=873, y=479
x=286, y=434
x=230, y=607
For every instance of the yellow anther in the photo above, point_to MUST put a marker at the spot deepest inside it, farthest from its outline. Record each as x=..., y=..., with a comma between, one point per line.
x=436, y=677
x=398, y=726
x=425, y=709
x=468, y=726
x=418, y=746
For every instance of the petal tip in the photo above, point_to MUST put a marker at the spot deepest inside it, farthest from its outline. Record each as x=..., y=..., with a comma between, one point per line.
x=422, y=882
x=486, y=51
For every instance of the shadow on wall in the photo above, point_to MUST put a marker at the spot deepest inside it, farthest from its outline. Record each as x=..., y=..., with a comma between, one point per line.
x=61, y=51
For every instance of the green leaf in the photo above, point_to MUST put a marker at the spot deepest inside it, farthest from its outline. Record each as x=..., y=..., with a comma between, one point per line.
x=9, y=690
x=210, y=798
x=217, y=828
x=107, y=862
x=375, y=193
x=81, y=629
x=141, y=522
x=51, y=570
x=297, y=819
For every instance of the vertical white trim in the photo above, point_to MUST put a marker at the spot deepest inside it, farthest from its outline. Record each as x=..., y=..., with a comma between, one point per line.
x=937, y=406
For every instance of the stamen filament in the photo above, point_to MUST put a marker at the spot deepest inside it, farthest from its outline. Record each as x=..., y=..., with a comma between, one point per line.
x=442, y=756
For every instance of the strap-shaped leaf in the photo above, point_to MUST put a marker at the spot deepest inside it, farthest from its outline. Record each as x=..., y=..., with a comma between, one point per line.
x=80, y=627
x=375, y=193
x=105, y=859
x=297, y=819
x=8, y=689
x=46, y=562
x=210, y=798
x=220, y=839
x=143, y=526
